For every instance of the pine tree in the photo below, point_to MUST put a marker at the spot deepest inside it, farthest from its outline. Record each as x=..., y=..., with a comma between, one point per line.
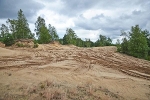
x=41, y=31
x=22, y=27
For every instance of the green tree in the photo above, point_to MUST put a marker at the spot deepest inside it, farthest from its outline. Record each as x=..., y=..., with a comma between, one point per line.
x=44, y=36
x=103, y=41
x=87, y=42
x=41, y=31
x=4, y=31
x=65, y=39
x=12, y=27
x=138, y=46
x=108, y=41
x=125, y=43
x=53, y=33
x=70, y=37
x=22, y=27
x=118, y=44
x=8, y=39
x=5, y=36
x=79, y=42
x=147, y=35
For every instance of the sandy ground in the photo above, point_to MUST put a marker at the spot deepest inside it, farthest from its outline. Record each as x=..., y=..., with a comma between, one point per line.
x=57, y=72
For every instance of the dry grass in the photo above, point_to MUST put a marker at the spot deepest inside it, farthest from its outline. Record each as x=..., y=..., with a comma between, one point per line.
x=47, y=90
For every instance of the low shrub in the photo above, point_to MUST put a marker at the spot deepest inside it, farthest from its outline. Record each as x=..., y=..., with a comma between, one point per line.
x=20, y=45
x=35, y=45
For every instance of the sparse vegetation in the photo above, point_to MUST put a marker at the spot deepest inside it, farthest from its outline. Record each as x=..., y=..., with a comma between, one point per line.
x=64, y=92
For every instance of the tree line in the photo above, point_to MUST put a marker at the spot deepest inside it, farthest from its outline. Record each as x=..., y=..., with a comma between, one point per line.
x=136, y=42
x=71, y=38
x=19, y=29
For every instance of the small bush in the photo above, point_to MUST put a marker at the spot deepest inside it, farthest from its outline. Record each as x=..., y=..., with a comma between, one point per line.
x=8, y=40
x=36, y=45
x=42, y=86
x=20, y=45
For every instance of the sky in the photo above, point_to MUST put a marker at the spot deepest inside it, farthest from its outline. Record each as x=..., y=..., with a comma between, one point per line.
x=88, y=18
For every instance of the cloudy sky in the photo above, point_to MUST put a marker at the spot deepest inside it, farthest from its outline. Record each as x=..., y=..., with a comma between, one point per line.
x=88, y=18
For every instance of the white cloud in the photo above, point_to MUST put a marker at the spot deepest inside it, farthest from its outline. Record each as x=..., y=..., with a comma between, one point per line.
x=60, y=22
x=95, y=12
x=2, y=21
x=147, y=25
x=90, y=34
x=87, y=18
x=32, y=27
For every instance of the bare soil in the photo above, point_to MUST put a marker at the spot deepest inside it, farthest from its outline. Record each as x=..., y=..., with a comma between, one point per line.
x=57, y=72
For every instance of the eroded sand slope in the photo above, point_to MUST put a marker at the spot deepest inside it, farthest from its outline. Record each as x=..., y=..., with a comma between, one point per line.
x=56, y=72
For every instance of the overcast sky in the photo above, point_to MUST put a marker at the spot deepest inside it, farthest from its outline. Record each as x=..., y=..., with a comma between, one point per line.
x=88, y=18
